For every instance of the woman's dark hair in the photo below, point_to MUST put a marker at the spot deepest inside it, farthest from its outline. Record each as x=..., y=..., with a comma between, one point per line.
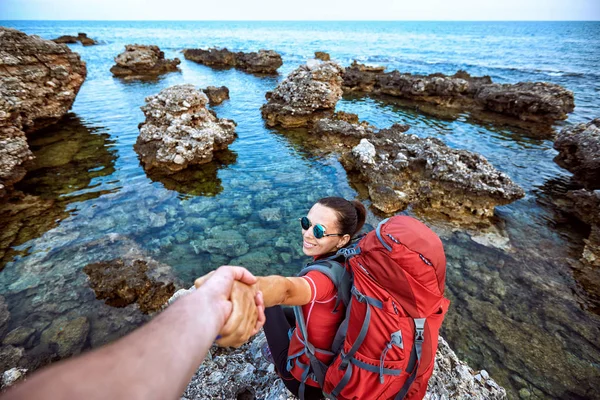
x=351, y=214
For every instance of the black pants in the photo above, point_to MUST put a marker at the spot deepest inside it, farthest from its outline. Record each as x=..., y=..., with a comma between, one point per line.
x=279, y=322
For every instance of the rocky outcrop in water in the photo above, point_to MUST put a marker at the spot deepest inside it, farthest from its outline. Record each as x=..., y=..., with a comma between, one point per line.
x=307, y=94
x=527, y=101
x=121, y=282
x=579, y=152
x=179, y=130
x=81, y=38
x=321, y=55
x=39, y=80
x=142, y=62
x=261, y=62
x=216, y=95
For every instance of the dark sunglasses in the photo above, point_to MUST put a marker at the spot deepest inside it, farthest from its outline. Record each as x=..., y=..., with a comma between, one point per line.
x=318, y=229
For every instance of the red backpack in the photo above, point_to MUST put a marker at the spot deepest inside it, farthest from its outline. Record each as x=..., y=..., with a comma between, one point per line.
x=392, y=283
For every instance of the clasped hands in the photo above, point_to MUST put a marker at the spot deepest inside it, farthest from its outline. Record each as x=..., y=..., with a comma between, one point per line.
x=244, y=311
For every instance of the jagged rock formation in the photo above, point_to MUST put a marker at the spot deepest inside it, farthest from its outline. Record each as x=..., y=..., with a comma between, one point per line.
x=123, y=282
x=321, y=55
x=216, y=95
x=179, y=130
x=527, y=101
x=39, y=80
x=308, y=94
x=579, y=152
x=81, y=37
x=401, y=169
x=586, y=206
x=263, y=62
x=142, y=62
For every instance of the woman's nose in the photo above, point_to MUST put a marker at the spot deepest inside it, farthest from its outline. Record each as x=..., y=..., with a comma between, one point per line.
x=308, y=233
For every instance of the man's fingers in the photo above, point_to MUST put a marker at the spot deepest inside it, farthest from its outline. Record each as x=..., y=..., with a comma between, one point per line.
x=260, y=307
x=241, y=274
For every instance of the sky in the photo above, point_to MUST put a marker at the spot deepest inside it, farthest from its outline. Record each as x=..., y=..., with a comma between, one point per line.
x=401, y=10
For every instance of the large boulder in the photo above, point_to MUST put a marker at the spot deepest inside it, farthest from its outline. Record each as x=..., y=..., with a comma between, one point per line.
x=81, y=38
x=579, y=152
x=307, y=94
x=528, y=101
x=142, y=62
x=180, y=131
x=39, y=80
x=402, y=170
x=216, y=95
x=261, y=62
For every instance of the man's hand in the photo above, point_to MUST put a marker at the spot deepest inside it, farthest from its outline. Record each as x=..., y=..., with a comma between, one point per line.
x=246, y=315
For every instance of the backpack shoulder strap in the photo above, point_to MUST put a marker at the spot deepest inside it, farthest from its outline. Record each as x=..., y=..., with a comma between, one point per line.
x=336, y=272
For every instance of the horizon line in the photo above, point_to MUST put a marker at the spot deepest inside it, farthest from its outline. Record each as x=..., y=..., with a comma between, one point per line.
x=294, y=20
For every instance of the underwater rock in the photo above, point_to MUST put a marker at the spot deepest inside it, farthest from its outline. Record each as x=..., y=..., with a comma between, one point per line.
x=307, y=94
x=527, y=101
x=180, y=131
x=18, y=336
x=4, y=316
x=401, y=169
x=222, y=241
x=321, y=55
x=141, y=62
x=263, y=62
x=121, y=283
x=579, y=152
x=39, y=80
x=81, y=37
x=216, y=95
x=66, y=335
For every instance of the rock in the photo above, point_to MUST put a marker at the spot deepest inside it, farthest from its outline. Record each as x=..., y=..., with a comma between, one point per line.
x=4, y=316
x=344, y=124
x=68, y=336
x=321, y=55
x=18, y=336
x=216, y=95
x=121, y=283
x=402, y=169
x=142, y=62
x=12, y=376
x=81, y=37
x=528, y=101
x=10, y=356
x=180, y=131
x=263, y=62
x=308, y=94
x=579, y=152
x=586, y=207
x=39, y=80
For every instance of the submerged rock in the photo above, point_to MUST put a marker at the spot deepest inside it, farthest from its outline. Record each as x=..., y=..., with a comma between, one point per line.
x=216, y=95
x=180, y=131
x=261, y=62
x=39, y=80
x=321, y=55
x=66, y=335
x=579, y=152
x=81, y=37
x=307, y=94
x=527, y=101
x=141, y=62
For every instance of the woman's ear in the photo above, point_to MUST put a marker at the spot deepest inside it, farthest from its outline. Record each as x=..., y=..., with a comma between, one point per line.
x=343, y=241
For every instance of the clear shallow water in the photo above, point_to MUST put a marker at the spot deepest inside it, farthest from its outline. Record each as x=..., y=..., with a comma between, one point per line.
x=526, y=314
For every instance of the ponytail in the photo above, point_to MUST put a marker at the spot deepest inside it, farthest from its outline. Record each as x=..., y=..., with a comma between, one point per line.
x=351, y=214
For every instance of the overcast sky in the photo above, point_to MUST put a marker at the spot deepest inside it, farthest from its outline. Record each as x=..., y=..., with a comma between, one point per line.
x=453, y=10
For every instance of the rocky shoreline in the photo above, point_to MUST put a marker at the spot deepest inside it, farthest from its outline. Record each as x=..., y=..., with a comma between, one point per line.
x=261, y=62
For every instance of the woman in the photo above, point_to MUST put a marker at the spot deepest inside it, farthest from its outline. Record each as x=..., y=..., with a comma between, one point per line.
x=330, y=225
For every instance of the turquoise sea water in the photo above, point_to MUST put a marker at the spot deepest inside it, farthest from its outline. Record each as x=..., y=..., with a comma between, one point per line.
x=528, y=314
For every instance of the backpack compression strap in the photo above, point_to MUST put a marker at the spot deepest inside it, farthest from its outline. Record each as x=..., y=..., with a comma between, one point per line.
x=415, y=356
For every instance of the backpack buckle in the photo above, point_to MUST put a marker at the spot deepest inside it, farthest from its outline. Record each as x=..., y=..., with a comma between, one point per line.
x=348, y=252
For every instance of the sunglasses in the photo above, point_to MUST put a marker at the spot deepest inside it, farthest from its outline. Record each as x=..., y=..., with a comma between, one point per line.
x=318, y=229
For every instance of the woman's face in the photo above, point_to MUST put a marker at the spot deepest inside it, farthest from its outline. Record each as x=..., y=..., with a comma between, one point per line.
x=326, y=217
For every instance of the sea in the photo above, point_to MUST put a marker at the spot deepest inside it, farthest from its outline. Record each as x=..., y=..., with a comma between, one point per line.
x=524, y=308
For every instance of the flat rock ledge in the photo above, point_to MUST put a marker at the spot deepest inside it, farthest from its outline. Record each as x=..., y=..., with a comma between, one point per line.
x=527, y=101
x=81, y=38
x=180, y=131
x=143, y=62
x=579, y=152
x=261, y=62
x=39, y=80
x=309, y=93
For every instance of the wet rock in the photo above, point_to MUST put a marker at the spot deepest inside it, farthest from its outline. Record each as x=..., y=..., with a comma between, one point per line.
x=527, y=101
x=586, y=206
x=66, y=336
x=39, y=80
x=271, y=214
x=10, y=357
x=579, y=152
x=142, y=62
x=344, y=124
x=121, y=283
x=223, y=242
x=321, y=55
x=261, y=62
x=308, y=94
x=18, y=336
x=12, y=376
x=401, y=169
x=4, y=316
x=216, y=95
x=180, y=131
x=81, y=37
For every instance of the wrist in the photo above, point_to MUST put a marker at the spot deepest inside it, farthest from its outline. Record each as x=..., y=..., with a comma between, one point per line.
x=210, y=313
